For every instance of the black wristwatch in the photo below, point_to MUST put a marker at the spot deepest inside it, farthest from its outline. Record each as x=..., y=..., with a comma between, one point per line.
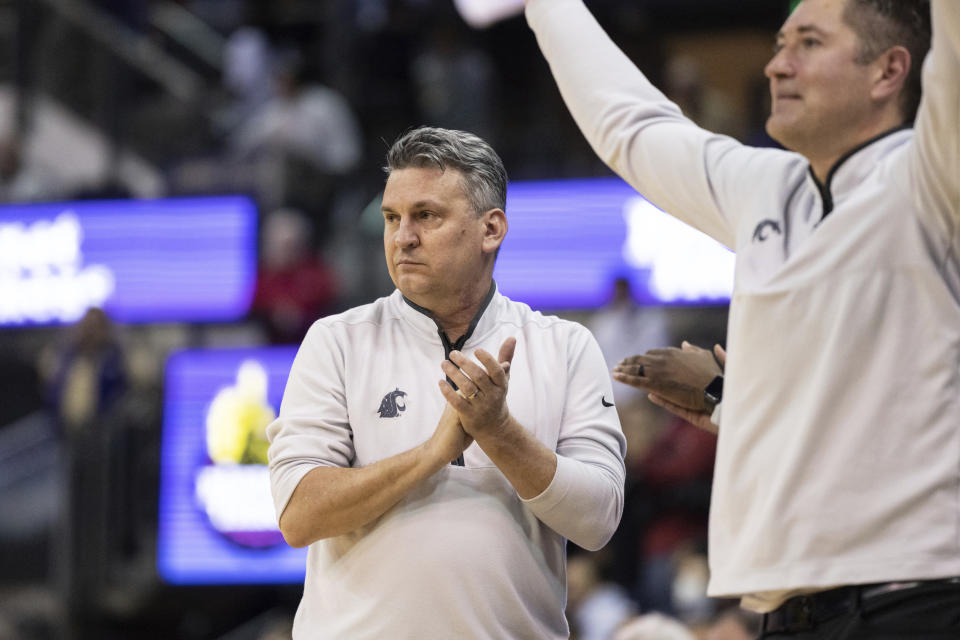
x=713, y=393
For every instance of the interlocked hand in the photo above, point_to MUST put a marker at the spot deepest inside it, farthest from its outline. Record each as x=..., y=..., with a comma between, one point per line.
x=679, y=376
x=481, y=396
x=449, y=439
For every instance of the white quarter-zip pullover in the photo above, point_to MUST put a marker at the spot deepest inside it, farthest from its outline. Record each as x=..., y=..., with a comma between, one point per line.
x=838, y=458
x=462, y=556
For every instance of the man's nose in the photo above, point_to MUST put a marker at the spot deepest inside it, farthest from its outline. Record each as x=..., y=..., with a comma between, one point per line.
x=406, y=235
x=779, y=66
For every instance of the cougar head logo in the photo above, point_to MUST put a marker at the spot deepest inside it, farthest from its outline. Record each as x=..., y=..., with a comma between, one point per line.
x=392, y=404
x=764, y=229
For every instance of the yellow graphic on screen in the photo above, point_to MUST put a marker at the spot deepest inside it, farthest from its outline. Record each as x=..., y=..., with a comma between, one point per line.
x=238, y=418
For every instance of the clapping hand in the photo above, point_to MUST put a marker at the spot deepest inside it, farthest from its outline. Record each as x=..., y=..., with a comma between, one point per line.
x=676, y=379
x=481, y=395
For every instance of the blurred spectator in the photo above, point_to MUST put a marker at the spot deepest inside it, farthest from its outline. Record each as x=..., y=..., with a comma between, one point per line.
x=299, y=141
x=29, y=614
x=668, y=495
x=247, y=73
x=21, y=181
x=87, y=375
x=454, y=83
x=624, y=328
x=705, y=105
x=688, y=590
x=595, y=607
x=86, y=381
x=734, y=623
x=294, y=287
x=653, y=626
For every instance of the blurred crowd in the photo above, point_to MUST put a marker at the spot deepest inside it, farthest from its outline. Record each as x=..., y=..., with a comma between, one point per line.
x=294, y=103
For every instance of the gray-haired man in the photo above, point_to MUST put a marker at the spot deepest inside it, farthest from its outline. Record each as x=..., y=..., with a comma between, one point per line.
x=435, y=483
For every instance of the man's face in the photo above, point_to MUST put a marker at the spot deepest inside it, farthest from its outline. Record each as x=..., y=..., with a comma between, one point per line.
x=432, y=238
x=820, y=94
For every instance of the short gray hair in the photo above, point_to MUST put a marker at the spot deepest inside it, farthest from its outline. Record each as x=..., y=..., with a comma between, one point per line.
x=484, y=177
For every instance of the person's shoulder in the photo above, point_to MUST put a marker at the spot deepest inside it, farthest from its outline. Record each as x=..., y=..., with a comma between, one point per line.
x=521, y=314
x=777, y=159
x=373, y=313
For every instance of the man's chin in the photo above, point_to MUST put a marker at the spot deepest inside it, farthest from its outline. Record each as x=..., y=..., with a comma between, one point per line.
x=415, y=289
x=779, y=131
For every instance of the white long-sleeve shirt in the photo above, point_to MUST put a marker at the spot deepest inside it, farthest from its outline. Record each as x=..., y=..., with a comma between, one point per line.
x=838, y=458
x=461, y=556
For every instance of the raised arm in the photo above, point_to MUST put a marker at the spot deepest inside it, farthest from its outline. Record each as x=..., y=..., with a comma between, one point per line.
x=700, y=177
x=630, y=124
x=946, y=21
x=316, y=492
x=935, y=158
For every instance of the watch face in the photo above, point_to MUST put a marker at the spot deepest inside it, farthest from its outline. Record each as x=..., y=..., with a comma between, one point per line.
x=710, y=402
x=713, y=394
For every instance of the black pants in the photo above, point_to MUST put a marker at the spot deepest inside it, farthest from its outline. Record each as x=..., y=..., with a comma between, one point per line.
x=930, y=611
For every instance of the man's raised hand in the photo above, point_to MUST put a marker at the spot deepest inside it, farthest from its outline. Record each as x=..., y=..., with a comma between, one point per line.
x=481, y=395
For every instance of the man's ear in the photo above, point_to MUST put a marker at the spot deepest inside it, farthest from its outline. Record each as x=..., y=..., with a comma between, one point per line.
x=891, y=70
x=494, y=229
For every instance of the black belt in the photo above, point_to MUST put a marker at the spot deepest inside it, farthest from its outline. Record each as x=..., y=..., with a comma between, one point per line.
x=804, y=613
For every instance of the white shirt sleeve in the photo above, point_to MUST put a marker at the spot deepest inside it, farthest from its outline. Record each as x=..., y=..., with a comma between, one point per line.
x=312, y=428
x=700, y=177
x=935, y=156
x=584, y=501
x=946, y=25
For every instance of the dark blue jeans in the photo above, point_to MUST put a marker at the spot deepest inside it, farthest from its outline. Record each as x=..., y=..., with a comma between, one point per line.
x=930, y=611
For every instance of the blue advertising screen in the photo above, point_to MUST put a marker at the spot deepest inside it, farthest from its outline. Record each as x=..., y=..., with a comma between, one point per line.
x=569, y=239
x=171, y=260
x=217, y=523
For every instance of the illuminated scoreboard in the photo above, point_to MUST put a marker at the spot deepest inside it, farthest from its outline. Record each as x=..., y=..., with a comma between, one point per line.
x=194, y=259
x=217, y=523
x=569, y=239
x=170, y=260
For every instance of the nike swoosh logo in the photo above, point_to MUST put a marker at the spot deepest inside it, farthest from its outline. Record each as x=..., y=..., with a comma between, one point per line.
x=603, y=401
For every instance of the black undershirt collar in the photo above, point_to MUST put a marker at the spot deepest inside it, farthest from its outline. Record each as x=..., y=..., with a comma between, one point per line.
x=462, y=340
x=824, y=188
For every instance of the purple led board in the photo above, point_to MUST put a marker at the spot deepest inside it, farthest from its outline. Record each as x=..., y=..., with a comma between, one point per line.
x=216, y=519
x=170, y=260
x=569, y=239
